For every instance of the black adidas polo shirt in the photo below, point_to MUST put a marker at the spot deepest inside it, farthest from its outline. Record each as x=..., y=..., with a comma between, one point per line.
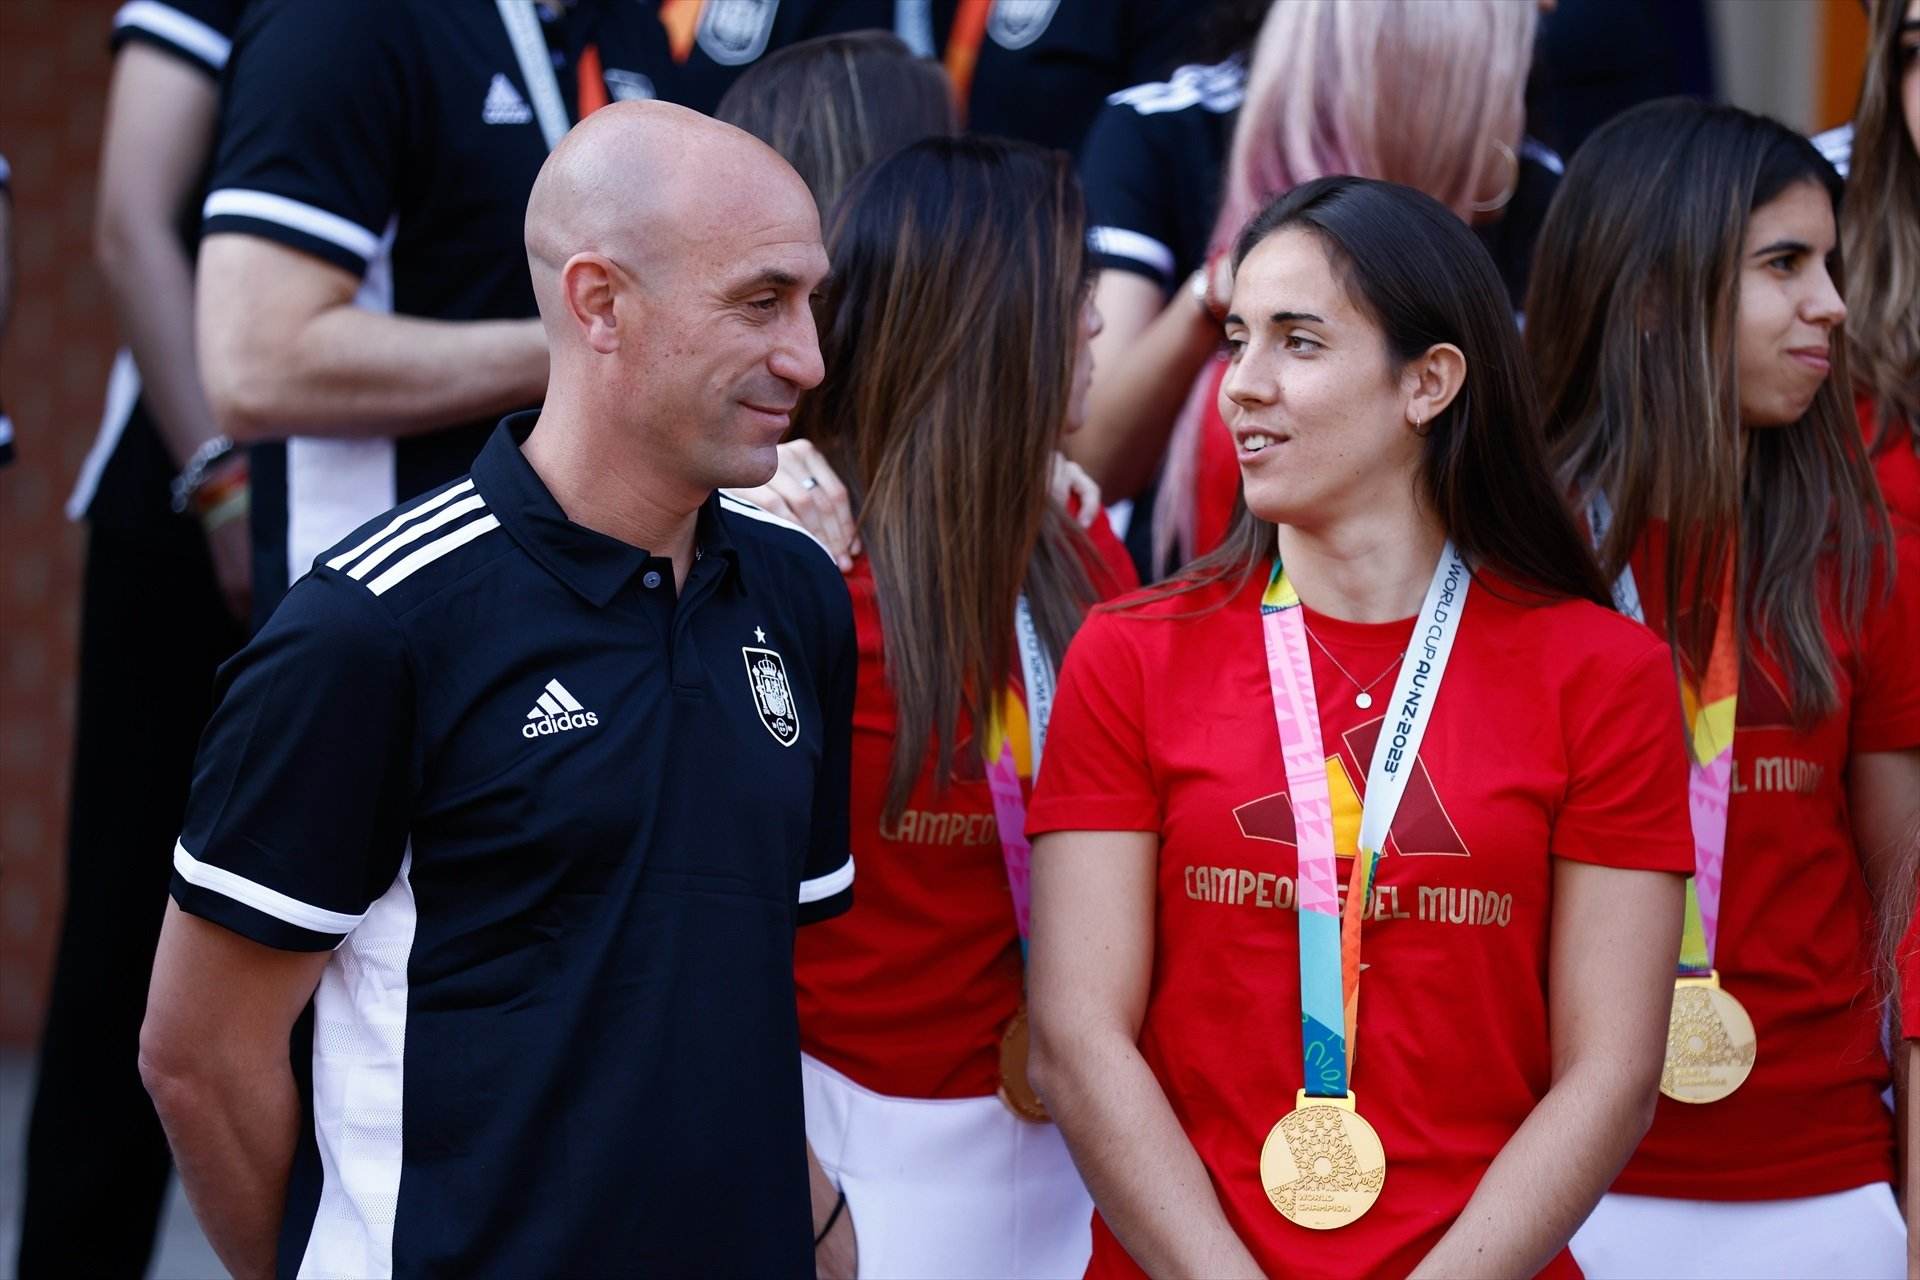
x=558, y=825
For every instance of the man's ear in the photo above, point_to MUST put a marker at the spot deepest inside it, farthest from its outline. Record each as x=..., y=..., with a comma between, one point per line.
x=588, y=283
x=1431, y=381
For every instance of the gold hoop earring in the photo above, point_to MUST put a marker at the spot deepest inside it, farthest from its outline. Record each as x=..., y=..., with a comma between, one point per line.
x=1513, y=182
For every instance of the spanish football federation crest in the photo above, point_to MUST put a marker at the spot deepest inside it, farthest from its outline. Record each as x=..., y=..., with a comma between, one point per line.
x=772, y=695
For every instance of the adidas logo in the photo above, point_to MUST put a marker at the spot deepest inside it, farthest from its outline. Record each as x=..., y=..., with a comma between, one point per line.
x=556, y=712
x=504, y=105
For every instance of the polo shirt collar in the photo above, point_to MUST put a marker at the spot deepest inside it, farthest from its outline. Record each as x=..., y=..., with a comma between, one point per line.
x=596, y=567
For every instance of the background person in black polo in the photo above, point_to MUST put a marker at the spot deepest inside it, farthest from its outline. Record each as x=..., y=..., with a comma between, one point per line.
x=365, y=309
x=163, y=604
x=558, y=1034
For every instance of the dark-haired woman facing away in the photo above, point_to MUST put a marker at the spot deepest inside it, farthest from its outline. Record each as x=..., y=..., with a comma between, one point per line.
x=1382, y=777
x=955, y=332
x=1684, y=325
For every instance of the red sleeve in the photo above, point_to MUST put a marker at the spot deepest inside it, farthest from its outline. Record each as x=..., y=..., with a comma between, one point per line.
x=1112, y=569
x=1096, y=776
x=1626, y=802
x=1886, y=696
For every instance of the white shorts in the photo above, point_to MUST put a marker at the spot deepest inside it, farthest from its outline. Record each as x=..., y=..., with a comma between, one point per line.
x=948, y=1187
x=1856, y=1234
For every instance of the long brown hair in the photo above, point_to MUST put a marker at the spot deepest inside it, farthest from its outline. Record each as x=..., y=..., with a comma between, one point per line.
x=949, y=330
x=1880, y=225
x=1632, y=326
x=834, y=104
x=1425, y=279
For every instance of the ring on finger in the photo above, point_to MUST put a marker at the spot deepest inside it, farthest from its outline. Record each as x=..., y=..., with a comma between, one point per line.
x=810, y=483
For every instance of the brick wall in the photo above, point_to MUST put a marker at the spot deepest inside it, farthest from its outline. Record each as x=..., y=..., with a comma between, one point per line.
x=59, y=341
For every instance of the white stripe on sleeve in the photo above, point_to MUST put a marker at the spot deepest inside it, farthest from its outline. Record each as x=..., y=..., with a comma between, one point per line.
x=829, y=884
x=167, y=22
x=318, y=223
x=266, y=901
x=1118, y=242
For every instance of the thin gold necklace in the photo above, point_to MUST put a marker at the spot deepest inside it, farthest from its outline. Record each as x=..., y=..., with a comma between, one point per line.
x=1363, y=699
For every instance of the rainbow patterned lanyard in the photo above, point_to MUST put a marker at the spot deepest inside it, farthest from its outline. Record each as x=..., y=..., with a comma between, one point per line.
x=1709, y=707
x=1016, y=737
x=1329, y=935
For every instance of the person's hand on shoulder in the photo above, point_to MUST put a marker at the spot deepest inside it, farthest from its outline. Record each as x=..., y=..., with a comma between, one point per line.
x=805, y=490
x=1074, y=489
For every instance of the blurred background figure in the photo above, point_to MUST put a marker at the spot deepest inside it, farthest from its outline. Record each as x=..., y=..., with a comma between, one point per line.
x=835, y=104
x=164, y=497
x=1880, y=227
x=1448, y=121
x=1039, y=69
x=366, y=313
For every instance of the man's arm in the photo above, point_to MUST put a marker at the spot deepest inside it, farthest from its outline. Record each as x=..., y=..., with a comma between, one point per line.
x=284, y=351
x=160, y=117
x=214, y=1056
x=160, y=120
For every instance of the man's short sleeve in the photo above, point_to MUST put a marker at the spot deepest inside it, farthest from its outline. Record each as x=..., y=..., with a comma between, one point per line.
x=313, y=127
x=826, y=886
x=302, y=790
x=1130, y=225
x=198, y=32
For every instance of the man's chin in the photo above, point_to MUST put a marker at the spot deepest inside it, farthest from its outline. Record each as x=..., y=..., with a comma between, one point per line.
x=751, y=469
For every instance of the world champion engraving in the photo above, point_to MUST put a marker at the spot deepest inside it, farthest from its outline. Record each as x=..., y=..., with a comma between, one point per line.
x=1323, y=1166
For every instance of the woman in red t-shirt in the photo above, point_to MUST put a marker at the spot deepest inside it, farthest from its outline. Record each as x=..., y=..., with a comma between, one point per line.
x=1681, y=323
x=955, y=333
x=1434, y=679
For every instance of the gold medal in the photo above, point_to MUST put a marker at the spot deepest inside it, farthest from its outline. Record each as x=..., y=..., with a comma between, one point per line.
x=1015, y=1091
x=1323, y=1165
x=1710, y=1042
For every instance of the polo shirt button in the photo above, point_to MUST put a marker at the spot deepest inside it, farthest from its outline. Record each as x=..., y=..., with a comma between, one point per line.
x=652, y=579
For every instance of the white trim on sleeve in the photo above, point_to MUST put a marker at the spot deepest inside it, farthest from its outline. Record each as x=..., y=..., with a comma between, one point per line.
x=266, y=901
x=240, y=203
x=167, y=22
x=821, y=887
x=1118, y=242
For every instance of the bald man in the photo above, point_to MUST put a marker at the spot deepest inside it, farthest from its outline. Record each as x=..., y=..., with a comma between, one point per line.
x=509, y=814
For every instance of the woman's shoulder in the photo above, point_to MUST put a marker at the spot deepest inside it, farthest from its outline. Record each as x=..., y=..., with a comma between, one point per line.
x=1561, y=633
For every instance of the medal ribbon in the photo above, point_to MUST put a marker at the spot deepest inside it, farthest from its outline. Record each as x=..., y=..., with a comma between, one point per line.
x=1003, y=765
x=1709, y=706
x=1329, y=935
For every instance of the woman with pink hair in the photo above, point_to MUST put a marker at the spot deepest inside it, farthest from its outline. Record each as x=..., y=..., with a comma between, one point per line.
x=1428, y=93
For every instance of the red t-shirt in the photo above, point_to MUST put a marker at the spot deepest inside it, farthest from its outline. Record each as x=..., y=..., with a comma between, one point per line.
x=909, y=992
x=1796, y=943
x=1896, y=462
x=1553, y=733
